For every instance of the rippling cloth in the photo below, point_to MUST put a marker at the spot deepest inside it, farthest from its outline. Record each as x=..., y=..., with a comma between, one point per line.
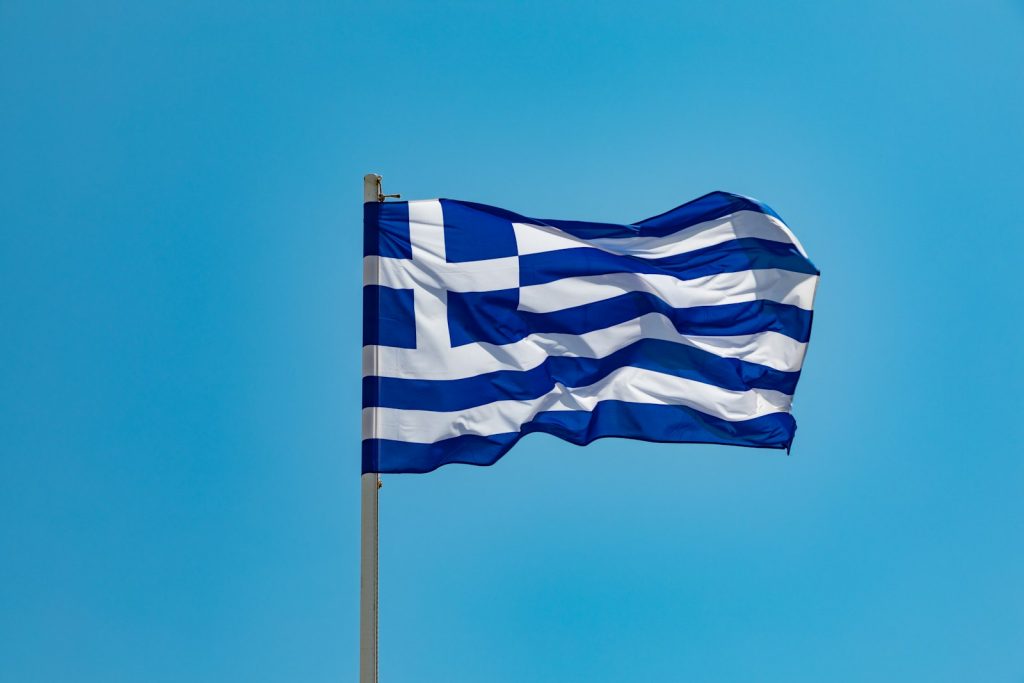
x=481, y=326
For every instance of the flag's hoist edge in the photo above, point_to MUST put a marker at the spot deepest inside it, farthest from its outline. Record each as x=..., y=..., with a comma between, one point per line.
x=690, y=326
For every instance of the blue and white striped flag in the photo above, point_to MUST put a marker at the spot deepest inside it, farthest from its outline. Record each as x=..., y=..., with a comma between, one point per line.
x=481, y=326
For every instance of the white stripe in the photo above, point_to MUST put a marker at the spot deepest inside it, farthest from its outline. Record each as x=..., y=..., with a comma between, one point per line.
x=771, y=284
x=430, y=300
x=472, y=276
x=426, y=230
x=767, y=348
x=534, y=239
x=631, y=384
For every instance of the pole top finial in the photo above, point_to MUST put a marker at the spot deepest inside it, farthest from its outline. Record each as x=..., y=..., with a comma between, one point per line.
x=373, y=191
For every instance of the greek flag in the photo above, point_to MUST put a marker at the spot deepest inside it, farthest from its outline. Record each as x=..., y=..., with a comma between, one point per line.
x=481, y=326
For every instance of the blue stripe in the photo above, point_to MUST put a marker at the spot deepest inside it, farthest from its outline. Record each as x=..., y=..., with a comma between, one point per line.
x=734, y=256
x=389, y=317
x=386, y=229
x=670, y=358
x=659, y=423
x=386, y=225
x=492, y=317
x=707, y=208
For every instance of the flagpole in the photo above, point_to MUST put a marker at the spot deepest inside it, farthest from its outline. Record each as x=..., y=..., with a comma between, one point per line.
x=370, y=483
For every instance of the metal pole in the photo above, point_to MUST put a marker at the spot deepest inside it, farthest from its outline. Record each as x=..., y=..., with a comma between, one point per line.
x=368, y=566
x=368, y=583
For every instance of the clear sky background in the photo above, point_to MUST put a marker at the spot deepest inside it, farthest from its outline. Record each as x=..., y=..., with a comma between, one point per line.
x=180, y=189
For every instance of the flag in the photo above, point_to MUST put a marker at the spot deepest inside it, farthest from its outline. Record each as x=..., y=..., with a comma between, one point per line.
x=481, y=326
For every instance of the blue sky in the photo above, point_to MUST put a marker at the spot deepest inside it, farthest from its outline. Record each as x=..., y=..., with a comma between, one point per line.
x=180, y=269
